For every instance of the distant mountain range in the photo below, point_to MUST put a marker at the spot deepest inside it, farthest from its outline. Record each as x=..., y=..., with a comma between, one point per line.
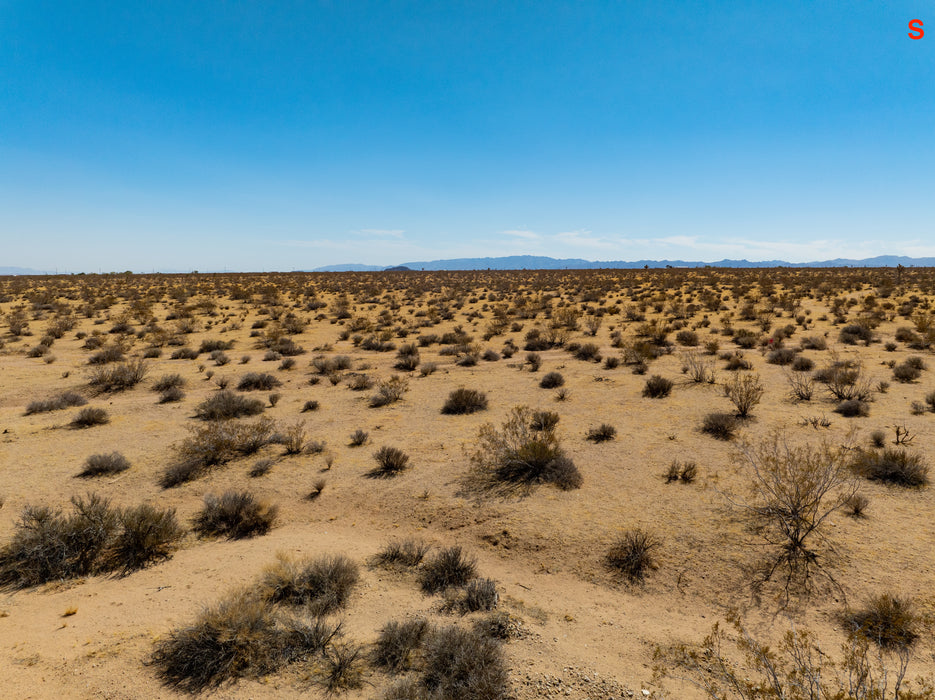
x=538, y=262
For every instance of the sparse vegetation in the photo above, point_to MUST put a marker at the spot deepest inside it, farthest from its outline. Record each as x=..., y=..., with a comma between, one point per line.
x=235, y=515
x=633, y=554
x=462, y=401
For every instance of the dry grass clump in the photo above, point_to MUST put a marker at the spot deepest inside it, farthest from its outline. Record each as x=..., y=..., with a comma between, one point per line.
x=719, y=425
x=461, y=663
x=391, y=461
x=94, y=538
x=104, y=464
x=168, y=381
x=524, y=451
x=257, y=381
x=225, y=405
x=66, y=399
x=358, y=437
x=449, y=568
x=633, y=554
x=404, y=554
x=235, y=515
x=463, y=401
x=323, y=585
x=89, y=417
x=896, y=466
x=118, y=377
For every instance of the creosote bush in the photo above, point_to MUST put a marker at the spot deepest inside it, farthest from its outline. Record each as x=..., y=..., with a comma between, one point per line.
x=235, y=515
x=463, y=401
x=745, y=391
x=524, y=451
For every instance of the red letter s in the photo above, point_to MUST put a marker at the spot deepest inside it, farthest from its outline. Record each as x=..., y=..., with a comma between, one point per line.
x=916, y=26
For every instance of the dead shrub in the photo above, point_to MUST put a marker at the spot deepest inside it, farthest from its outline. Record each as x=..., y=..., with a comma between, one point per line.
x=104, y=465
x=463, y=401
x=391, y=461
x=397, y=642
x=323, y=585
x=257, y=381
x=888, y=621
x=89, y=417
x=449, y=568
x=118, y=377
x=226, y=405
x=896, y=466
x=66, y=399
x=407, y=553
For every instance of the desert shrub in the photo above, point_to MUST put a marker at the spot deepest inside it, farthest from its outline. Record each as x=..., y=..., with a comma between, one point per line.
x=428, y=368
x=801, y=386
x=802, y=364
x=534, y=360
x=359, y=437
x=323, y=585
x=389, y=391
x=490, y=355
x=95, y=537
x=522, y=452
x=905, y=372
x=317, y=488
x=48, y=545
x=215, y=345
x=657, y=387
x=781, y=356
x=463, y=664
x=168, y=381
x=89, y=417
x=257, y=381
x=219, y=357
x=552, y=380
x=449, y=568
x=687, y=338
x=745, y=392
x=225, y=405
x=390, y=462
x=57, y=403
x=698, y=368
x=261, y=467
x=118, y=377
x=237, y=638
x=407, y=357
x=215, y=444
x=235, y=515
x=171, y=395
x=310, y=405
x=341, y=668
x=602, y=433
x=892, y=466
x=589, y=352
x=611, y=362
x=359, y=382
x=480, y=594
x=852, y=408
x=293, y=438
x=853, y=333
x=857, y=505
x=737, y=362
x=147, y=534
x=407, y=553
x=877, y=438
x=184, y=354
x=396, y=643
x=110, y=353
x=104, y=464
x=633, y=554
x=462, y=401
x=795, y=488
x=685, y=471
x=886, y=620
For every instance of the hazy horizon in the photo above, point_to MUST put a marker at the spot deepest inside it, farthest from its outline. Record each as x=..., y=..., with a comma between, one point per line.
x=301, y=135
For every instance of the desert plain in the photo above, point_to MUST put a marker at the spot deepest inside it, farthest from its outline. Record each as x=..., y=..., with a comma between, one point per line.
x=345, y=364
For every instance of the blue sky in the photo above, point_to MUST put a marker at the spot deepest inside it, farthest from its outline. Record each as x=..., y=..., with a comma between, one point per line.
x=290, y=135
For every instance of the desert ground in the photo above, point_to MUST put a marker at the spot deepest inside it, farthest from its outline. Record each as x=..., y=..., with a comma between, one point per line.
x=545, y=612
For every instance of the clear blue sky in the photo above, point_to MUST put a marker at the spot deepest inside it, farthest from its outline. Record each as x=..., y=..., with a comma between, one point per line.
x=289, y=135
